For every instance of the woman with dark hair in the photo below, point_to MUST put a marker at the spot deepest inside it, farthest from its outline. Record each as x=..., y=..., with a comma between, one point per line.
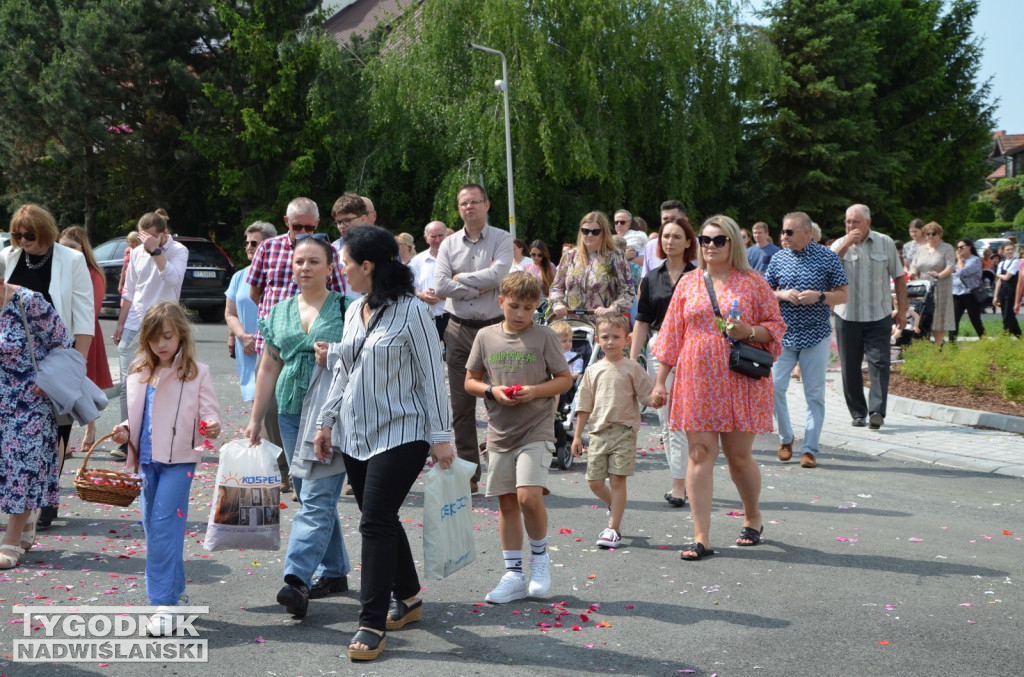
x=543, y=268
x=519, y=258
x=595, y=275
x=36, y=261
x=388, y=394
x=966, y=279
x=1005, y=293
x=677, y=246
x=96, y=366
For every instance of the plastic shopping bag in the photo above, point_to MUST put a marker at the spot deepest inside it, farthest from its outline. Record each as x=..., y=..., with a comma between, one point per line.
x=448, y=539
x=246, y=510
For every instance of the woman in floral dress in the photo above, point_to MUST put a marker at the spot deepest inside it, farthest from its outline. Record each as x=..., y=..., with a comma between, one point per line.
x=595, y=275
x=29, y=458
x=713, y=404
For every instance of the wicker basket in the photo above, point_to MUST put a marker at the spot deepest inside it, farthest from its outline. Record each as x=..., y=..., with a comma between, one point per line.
x=110, y=487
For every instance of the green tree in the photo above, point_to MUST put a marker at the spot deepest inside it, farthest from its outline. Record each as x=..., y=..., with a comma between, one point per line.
x=93, y=97
x=612, y=104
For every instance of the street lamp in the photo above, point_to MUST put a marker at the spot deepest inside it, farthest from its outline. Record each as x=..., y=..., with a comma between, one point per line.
x=502, y=86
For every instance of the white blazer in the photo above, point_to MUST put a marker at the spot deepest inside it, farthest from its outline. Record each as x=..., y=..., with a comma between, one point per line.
x=70, y=287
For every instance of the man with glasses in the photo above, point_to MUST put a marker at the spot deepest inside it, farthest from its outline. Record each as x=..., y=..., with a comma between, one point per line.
x=470, y=266
x=670, y=211
x=808, y=280
x=864, y=322
x=350, y=211
x=423, y=267
x=635, y=240
x=271, y=280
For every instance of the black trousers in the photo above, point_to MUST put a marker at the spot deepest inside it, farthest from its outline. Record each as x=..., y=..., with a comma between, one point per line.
x=380, y=485
x=859, y=341
x=1006, y=301
x=967, y=302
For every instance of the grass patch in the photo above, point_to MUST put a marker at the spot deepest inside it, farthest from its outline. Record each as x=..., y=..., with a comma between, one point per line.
x=993, y=325
x=993, y=365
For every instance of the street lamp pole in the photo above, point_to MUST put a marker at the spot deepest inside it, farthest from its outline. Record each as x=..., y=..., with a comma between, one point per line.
x=503, y=86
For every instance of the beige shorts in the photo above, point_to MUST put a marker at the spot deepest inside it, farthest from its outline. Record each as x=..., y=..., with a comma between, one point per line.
x=612, y=451
x=526, y=466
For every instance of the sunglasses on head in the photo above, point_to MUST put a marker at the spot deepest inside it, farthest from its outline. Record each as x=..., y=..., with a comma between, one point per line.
x=316, y=236
x=27, y=237
x=718, y=240
x=308, y=229
x=590, y=231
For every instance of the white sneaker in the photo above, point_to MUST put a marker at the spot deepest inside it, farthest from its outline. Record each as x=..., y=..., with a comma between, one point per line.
x=609, y=538
x=540, y=575
x=161, y=624
x=511, y=587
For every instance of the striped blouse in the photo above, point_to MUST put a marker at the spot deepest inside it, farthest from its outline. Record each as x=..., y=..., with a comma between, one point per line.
x=393, y=392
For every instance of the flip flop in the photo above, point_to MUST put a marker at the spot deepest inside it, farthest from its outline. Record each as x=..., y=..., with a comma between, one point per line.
x=371, y=639
x=698, y=548
x=750, y=534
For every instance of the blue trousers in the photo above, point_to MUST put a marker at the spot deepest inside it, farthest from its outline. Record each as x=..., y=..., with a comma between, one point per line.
x=316, y=544
x=813, y=363
x=165, y=490
x=289, y=425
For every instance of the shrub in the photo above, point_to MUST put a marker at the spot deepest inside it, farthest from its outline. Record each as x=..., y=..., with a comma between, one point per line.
x=1019, y=219
x=1007, y=197
x=995, y=366
x=981, y=212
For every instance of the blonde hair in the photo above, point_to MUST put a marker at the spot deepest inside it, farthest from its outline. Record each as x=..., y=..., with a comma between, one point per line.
x=407, y=240
x=133, y=239
x=613, y=320
x=933, y=225
x=34, y=219
x=521, y=286
x=81, y=237
x=601, y=219
x=737, y=250
x=562, y=329
x=146, y=361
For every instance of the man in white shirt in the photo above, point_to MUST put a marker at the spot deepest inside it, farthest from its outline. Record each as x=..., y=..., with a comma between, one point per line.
x=422, y=266
x=155, y=273
x=635, y=239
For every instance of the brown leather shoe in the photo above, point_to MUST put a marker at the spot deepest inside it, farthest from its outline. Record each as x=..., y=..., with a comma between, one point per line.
x=785, y=451
x=807, y=460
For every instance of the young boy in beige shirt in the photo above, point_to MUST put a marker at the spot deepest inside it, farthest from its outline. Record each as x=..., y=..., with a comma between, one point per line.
x=609, y=397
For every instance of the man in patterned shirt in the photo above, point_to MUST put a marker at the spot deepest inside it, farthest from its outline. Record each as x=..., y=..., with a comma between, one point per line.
x=808, y=280
x=271, y=280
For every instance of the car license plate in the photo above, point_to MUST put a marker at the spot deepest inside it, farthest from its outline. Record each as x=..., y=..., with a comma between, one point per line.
x=204, y=273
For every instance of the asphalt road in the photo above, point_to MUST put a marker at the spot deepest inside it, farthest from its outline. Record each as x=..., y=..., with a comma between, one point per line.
x=870, y=567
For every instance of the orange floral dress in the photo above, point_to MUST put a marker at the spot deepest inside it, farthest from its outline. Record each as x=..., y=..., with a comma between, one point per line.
x=706, y=396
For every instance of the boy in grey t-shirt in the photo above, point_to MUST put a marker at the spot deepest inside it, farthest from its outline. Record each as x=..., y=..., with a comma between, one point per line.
x=519, y=370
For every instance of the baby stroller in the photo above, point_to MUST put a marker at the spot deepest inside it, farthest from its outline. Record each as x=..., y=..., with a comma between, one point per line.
x=584, y=344
x=921, y=302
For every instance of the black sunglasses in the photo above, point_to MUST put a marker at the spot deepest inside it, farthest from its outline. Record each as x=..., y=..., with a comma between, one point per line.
x=788, y=232
x=718, y=240
x=27, y=237
x=308, y=229
x=590, y=231
x=252, y=243
x=316, y=236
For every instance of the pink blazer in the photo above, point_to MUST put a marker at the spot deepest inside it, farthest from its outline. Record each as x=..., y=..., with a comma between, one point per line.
x=177, y=410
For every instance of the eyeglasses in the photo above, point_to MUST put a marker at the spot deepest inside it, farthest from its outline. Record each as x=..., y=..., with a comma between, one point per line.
x=931, y=234
x=27, y=237
x=962, y=246
x=789, y=232
x=536, y=255
x=466, y=204
x=718, y=240
x=299, y=226
x=316, y=236
x=591, y=231
x=255, y=243
x=345, y=221
x=620, y=222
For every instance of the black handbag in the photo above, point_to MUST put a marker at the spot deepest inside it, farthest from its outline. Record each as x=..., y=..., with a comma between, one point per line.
x=744, y=358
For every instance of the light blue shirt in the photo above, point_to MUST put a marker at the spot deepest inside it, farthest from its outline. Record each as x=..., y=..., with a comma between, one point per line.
x=248, y=315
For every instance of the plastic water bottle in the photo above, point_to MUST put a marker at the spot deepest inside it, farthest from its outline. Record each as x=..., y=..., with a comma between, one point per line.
x=734, y=312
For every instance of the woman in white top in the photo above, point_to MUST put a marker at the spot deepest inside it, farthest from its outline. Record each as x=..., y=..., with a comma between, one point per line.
x=389, y=395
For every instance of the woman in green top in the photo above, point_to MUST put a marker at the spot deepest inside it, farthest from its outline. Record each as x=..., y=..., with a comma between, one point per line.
x=289, y=331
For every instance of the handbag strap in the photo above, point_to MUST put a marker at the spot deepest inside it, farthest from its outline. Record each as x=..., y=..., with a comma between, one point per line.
x=714, y=299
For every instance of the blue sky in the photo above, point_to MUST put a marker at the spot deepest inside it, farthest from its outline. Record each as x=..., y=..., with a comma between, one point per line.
x=1000, y=24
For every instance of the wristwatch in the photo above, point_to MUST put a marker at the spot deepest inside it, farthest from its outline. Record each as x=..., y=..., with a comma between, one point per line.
x=489, y=394
x=821, y=297
x=156, y=252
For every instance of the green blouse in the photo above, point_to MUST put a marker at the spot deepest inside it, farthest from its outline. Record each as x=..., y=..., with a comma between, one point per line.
x=282, y=331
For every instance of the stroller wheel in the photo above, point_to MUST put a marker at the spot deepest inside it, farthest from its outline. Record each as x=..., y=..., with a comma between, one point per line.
x=563, y=456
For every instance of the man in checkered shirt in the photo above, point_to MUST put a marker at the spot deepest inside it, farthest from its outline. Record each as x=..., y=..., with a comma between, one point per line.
x=271, y=280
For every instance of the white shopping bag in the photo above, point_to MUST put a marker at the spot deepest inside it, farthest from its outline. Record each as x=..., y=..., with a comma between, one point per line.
x=246, y=509
x=448, y=539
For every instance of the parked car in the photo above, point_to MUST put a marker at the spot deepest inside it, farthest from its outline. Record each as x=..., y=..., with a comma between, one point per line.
x=1018, y=234
x=993, y=243
x=207, y=275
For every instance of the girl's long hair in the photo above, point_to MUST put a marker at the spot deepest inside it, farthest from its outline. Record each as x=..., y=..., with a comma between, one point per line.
x=546, y=276
x=146, y=361
x=79, y=235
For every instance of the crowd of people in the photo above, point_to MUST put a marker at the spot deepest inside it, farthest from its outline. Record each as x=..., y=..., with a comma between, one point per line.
x=342, y=346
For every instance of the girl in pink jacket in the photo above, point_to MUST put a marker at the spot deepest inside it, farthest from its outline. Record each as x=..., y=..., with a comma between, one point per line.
x=171, y=407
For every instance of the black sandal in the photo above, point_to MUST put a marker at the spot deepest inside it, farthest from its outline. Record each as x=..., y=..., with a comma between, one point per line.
x=370, y=639
x=698, y=548
x=400, y=614
x=750, y=534
x=675, y=501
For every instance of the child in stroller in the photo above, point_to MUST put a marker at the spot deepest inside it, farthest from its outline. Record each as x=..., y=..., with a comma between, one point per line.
x=579, y=339
x=920, y=311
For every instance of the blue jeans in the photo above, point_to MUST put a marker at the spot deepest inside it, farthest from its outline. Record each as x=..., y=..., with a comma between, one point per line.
x=289, y=424
x=813, y=362
x=316, y=544
x=165, y=490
